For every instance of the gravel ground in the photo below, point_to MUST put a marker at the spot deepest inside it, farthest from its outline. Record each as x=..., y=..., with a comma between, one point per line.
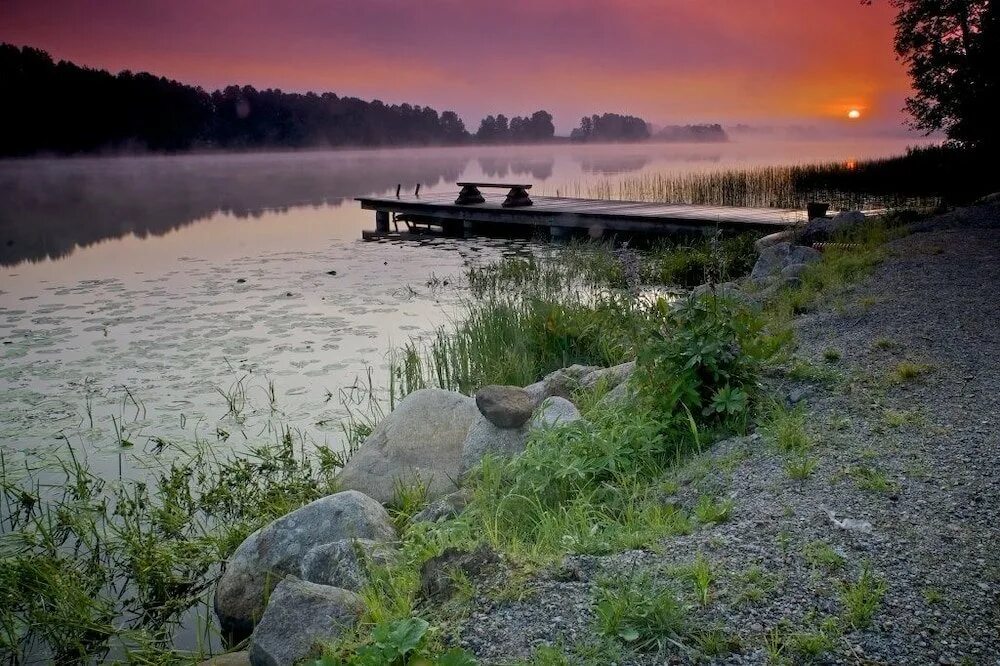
x=930, y=532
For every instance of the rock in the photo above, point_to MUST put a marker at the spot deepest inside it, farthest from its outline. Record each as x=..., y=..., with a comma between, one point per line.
x=991, y=198
x=419, y=442
x=555, y=411
x=298, y=615
x=620, y=396
x=796, y=395
x=342, y=563
x=486, y=438
x=848, y=524
x=444, y=508
x=823, y=229
x=277, y=549
x=437, y=576
x=228, y=659
x=792, y=272
x=560, y=383
x=505, y=406
x=609, y=377
x=776, y=257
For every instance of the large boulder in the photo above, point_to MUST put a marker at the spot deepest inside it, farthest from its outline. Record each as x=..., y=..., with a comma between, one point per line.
x=619, y=397
x=505, y=406
x=562, y=383
x=555, y=411
x=276, y=550
x=343, y=563
x=774, y=259
x=420, y=442
x=609, y=377
x=485, y=438
x=823, y=229
x=298, y=615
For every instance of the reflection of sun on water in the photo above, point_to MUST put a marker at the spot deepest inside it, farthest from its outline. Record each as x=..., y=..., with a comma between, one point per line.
x=851, y=164
x=853, y=114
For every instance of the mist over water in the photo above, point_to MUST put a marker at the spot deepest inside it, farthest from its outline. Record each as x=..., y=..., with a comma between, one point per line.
x=140, y=295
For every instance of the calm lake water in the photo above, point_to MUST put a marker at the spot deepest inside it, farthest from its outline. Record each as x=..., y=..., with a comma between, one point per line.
x=137, y=294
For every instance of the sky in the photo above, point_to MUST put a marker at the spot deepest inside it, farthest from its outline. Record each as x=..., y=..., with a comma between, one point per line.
x=761, y=62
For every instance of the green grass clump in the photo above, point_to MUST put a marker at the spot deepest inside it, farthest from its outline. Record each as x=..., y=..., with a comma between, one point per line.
x=861, y=598
x=709, y=511
x=787, y=429
x=821, y=555
x=800, y=466
x=870, y=478
x=907, y=371
x=638, y=611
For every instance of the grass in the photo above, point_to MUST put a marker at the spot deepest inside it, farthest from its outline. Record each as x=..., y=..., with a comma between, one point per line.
x=699, y=574
x=820, y=555
x=709, y=511
x=908, y=371
x=638, y=611
x=786, y=428
x=800, y=467
x=862, y=598
x=89, y=563
x=870, y=478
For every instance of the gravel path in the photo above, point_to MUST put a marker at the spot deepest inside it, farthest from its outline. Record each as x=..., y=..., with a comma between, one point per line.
x=915, y=462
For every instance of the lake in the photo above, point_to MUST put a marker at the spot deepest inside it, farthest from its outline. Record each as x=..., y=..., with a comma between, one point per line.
x=151, y=301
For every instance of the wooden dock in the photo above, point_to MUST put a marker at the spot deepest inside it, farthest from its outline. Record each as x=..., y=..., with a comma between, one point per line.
x=563, y=215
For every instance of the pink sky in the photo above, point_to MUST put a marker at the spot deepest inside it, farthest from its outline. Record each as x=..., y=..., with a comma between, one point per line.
x=759, y=61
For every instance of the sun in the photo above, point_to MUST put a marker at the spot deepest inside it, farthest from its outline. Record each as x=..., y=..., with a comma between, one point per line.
x=853, y=114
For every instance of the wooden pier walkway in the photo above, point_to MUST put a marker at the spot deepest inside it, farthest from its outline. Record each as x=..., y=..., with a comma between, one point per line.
x=562, y=215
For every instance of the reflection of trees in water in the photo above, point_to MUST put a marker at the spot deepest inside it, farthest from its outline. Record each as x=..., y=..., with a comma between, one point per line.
x=539, y=168
x=48, y=208
x=609, y=165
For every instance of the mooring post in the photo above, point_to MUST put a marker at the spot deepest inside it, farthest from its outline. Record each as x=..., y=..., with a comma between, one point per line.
x=382, y=221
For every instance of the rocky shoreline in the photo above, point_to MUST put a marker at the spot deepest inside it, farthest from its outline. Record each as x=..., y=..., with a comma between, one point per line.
x=893, y=500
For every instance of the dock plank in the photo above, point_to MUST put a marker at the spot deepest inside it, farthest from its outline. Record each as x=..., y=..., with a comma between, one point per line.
x=577, y=212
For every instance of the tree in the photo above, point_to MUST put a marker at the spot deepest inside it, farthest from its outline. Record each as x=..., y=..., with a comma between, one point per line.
x=952, y=49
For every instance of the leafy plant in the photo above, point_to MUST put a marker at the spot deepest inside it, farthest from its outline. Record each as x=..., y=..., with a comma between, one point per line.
x=862, y=598
x=638, y=611
x=398, y=643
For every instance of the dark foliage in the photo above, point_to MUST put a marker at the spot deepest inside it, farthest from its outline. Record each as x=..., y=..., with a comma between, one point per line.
x=63, y=108
x=955, y=175
x=538, y=127
x=611, y=127
x=692, y=133
x=952, y=50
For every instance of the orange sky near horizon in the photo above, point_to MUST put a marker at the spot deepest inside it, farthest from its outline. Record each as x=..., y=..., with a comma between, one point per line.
x=764, y=62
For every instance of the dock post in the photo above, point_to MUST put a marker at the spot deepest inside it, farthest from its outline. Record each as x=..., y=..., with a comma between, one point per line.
x=382, y=221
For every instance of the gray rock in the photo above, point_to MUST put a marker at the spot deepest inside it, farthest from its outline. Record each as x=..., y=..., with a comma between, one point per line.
x=792, y=271
x=555, y=411
x=505, y=406
x=727, y=290
x=419, y=442
x=443, y=508
x=609, y=377
x=823, y=229
x=298, y=615
x=342, y=563
x=275, y=550
x=774, y=259
x=561, y=383
x=620, y=396
x=486, y=438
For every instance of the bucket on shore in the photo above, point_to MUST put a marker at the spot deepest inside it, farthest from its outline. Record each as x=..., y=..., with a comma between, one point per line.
x=816, y=209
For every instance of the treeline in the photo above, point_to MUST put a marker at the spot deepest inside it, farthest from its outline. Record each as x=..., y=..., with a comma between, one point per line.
x=537, y=127
x=63, y=108
x=692, y=133
x=610, y=127
x=59, y=107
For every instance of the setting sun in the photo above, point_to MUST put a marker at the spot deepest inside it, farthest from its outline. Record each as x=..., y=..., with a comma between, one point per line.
x=853, y=114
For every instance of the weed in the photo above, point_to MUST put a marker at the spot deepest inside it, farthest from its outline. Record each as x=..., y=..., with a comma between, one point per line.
x=754, y=585
x=861, y=598
x=699, y=573
x=831, y=355
x=787, y=429
x=715, y=642
x=884, y=344
x=907, y=371
x=709, y=511
x=638, y=611
x=932, y=595
x=870, y=478
x=820, y=554
x=800, y=467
